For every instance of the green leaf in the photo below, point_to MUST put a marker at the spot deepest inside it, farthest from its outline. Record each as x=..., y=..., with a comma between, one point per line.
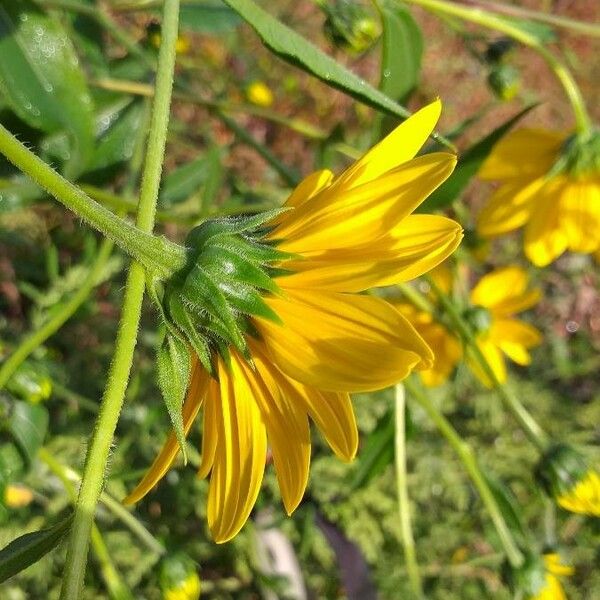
x=210, y=16
x=174, y=366
x=401, y=51
x=28, y=424
x=214, y=177
x=541, y=31
x=12, y=463
x=29, y=548
x=468, y=166
x=293, y=48
x=181, y=183
x=508, y=505
x=41, y=80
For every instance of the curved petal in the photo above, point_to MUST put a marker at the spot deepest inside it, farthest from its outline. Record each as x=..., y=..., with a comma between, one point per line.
x=398, y=147
x=338, y=218
x=194, y=398
x=341, y=343
x=240, y=454
x=504, y=291
x=417, y=245
x=210, y=430
x=493, y=357
x=447, y=351
x=545, y=238
x=522, y=153
x=580, y=209
x=287, y=425
x=514, y=338
x=510, y=207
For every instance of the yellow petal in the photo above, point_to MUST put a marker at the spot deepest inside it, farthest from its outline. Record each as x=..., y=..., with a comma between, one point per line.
x=339, y=342
x=194, y=398
x=416, y=245
x=584, y=498
x=545, y=238
x=447, y=351
x=287, y=425
x=580, y=209
x=336, y=218
x=399, y=146
x=493, y=357
x=523, y=153
x=504, y=291
x=514, y=338
x=509, y=207
x=240, y=453
x=210, y=429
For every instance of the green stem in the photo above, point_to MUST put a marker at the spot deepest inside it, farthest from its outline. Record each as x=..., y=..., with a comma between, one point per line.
x=467, y=457
x=490, y=21
x=416, y=298
x=533, y=431
x=114, y=395
x=408, y=541
x=60, y=315
x=156, y=254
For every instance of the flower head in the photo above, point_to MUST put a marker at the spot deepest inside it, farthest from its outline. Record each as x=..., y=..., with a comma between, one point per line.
x=566, y=477
x=550, y=185
x=311, y=338
x=539, y=577
x=491, y=310
x=260, y=94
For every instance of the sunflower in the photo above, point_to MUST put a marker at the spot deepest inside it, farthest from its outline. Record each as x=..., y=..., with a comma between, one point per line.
x=493, y=304
x=342, y=235
x=551, y=588
x=550, y=184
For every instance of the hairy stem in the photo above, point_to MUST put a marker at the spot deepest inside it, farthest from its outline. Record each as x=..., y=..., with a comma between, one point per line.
x=97, y=457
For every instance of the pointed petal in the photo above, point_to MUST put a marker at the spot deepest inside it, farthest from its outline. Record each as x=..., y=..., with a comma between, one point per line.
x=415, y=246
x=510, y=207
x=340, y=342
x=545, y=238
x=309, y=187
x=345, y=218
x=240, y=453
x=504, y=291
x=398, y=147
x=194, y=398
x=514, y=338
x=287, y=425
x=523, y=153
x=580, y=207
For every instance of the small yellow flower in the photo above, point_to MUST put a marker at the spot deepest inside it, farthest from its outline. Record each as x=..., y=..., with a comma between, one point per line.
x=502, y=294
x=17, y=496
x=189, y=589
x=346, y=234
x=494, y=302
x=260, y=94
x=552, y=588
x=550, y=185
x=584, y=497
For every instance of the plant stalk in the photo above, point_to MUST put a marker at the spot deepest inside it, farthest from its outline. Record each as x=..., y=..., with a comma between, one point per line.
x=97, y=457
x=467, y=458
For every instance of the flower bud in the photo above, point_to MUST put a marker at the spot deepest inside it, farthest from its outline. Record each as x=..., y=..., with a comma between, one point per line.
x=538, y=577
x=479, y=318
x=505, y=81
x=179, y=579
x=260, y=94
x=566, y=477
x=350, y=26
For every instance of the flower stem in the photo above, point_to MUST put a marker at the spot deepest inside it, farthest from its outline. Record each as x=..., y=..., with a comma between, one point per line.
x=408, y=541
x=156, y=254
x=466, y=455
x=59, y=316
x=96, y=459
x=491, y=21
x=533, y=431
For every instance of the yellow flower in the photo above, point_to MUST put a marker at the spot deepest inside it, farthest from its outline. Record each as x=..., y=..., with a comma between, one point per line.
x=347, y=234
x=188, y=590
x=260, y=94
x=17, y=496
x=494, y=301
x=584, y=497
x=550, y=185
x=552, y=588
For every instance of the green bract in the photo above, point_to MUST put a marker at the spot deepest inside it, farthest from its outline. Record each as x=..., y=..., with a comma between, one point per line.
x=559, y=469
x=580, y=156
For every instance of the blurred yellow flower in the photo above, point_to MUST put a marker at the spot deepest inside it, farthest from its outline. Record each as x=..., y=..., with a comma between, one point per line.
x=347, y=234
x=497, y=298
x=552, y=588
x=584, y=496
x=17, y=496
x=260, y=94
x=494, y=301
x=550, y=184
x=189, y=589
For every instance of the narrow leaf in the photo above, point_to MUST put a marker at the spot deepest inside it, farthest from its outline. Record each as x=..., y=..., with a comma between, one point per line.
x=29, y=548
x=174, y=366
x=28, y=424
